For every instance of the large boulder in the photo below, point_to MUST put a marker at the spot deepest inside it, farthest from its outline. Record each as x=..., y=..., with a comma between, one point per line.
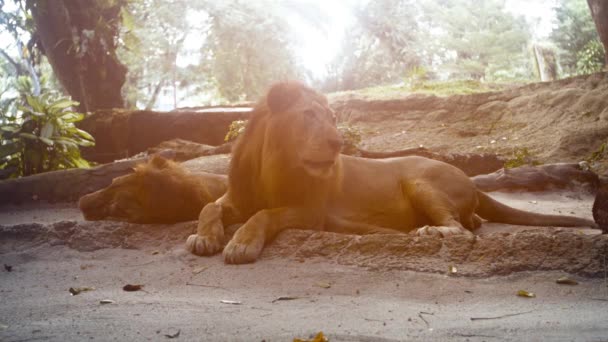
x=120, y=134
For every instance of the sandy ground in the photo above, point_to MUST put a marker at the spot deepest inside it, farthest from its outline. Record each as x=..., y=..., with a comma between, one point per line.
x=278, y=299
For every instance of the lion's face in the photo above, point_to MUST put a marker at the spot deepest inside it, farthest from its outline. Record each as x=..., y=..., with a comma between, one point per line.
x=122, y=200
x=306, y=129
x=155, y=192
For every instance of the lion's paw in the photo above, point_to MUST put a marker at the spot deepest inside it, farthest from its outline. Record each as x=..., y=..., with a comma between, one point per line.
x=203, y=245
x=442, y=231
x=243, y=250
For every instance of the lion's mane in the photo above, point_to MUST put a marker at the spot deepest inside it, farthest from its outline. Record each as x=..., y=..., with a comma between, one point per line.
x=262, y=172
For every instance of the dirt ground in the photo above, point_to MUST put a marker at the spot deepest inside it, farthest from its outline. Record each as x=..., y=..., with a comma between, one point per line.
x=370, y=288
x=305, y=282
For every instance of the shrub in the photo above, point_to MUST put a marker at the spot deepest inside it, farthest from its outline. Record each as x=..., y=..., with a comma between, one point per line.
x=41, y=136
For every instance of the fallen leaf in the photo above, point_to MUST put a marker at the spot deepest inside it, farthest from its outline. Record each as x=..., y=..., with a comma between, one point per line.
x=318, y=338
x=155, y=252
x=233, y=302
x=323, y=284
x=199, y=269
x=77, y=290
x=452, y=269
x=523, y=293
x=132, y=288
x=284, y=298
x=8, y=268
x=173, y=335
x=106, y=301
x=566, y=281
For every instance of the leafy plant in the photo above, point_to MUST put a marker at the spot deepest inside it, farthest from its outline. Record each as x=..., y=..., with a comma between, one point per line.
x=521, y=156
x=599, y=154
x=416, y=77
x=591, y=58
x=41, y=136
x=235, y=129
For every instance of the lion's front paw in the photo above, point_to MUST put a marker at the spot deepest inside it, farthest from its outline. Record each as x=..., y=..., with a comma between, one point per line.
x=203, y=245
x=243, y=248
x=442, y=231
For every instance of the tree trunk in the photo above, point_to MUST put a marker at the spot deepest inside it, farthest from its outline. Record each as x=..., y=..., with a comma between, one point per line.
x=599, y=12
x=78, y=38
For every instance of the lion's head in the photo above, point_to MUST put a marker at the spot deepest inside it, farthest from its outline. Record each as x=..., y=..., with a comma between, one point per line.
x=156, y=192
x=289, y=150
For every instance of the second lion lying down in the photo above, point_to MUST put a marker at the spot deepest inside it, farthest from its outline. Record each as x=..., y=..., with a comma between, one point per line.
x=287, y=172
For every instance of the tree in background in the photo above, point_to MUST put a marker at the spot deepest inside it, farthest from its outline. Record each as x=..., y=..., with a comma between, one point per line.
x=79, y=38
x=37, y=131
x=576, y=38
x=241, y=48
x=247, y=49
x=154, y=32
x=381, y=47
x=479, y=39
x=599, y=12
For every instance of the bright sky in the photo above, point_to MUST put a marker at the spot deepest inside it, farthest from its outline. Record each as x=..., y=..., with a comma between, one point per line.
x=317, y=48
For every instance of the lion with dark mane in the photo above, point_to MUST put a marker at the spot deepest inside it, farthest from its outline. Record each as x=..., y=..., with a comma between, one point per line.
x=287, y=172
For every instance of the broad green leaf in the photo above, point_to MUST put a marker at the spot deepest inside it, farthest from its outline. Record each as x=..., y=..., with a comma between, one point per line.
x=47, y=130
x=29, y=111
x=66, y=142
x=28, y=136
x=10, y=128
x=62, y=104
x=46, y=141
x=35, y=104
x=84, y=134
x=70, y=117
x=86, y=143
x=81, y=163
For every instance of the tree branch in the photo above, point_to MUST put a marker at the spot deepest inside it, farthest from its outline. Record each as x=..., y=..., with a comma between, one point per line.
x=17, y=66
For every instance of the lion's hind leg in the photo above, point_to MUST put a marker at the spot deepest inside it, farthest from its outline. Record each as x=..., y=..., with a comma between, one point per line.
x=440, y=211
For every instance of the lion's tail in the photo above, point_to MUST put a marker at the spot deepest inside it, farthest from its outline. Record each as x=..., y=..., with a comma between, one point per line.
x=494, y=211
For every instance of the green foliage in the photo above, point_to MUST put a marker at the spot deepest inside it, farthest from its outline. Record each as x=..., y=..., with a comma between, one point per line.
x=385, y=42
x=247, y=49
x=416, y=77
x=417, y=41
x=591, y=58
x=40, y=135
x=235, y=129
x=479, y=39
x=521, y=156
x=599, y=154
x=204, y=51
x=574, y=31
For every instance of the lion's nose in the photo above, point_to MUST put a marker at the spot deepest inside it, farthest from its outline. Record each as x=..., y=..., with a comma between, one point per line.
x=335, y=143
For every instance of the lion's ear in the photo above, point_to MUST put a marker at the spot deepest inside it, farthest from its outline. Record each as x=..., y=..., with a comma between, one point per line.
x=158, y=162
x=282, y=95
